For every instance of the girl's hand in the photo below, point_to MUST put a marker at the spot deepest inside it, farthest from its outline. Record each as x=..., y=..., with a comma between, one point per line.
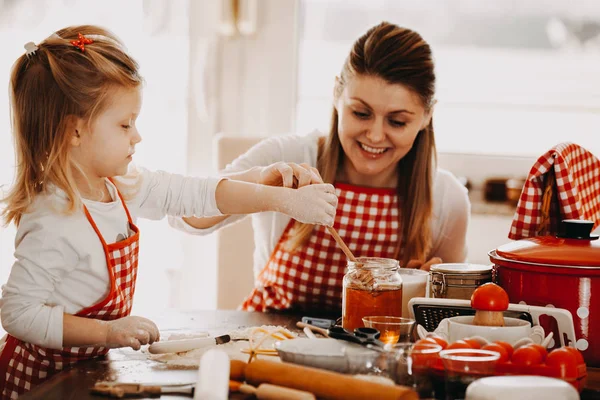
x=131, y=332
x=290, y=175
x=312, y=204
x=417, y=264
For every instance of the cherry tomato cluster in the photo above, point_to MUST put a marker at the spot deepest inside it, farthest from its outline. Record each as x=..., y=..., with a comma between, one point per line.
x=566, y=362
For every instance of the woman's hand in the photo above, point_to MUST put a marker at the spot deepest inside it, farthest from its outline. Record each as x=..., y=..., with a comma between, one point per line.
x=131, y=332
x=418, y=264
x=290, y=175
x=312, y=204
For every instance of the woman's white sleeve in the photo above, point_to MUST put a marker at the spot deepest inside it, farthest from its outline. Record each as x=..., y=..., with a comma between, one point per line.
x=42, y=259
x=455, y=220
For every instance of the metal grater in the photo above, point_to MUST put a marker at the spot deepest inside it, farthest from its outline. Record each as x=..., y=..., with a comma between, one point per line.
x=428, y=312
x=429, y=316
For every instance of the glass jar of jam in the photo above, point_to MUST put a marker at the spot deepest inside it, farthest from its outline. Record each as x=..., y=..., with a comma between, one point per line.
x=371, y=287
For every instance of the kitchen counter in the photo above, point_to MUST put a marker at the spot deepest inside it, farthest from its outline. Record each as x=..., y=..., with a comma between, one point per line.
x=126, y=365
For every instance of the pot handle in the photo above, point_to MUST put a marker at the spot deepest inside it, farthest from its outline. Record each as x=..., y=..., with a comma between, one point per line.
x=576, y=229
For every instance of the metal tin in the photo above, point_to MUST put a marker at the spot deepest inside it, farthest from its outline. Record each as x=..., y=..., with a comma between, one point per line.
x=457, y=280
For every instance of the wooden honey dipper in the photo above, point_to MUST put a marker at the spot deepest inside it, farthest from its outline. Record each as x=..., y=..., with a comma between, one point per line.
x=341, y=243
x=365, y=277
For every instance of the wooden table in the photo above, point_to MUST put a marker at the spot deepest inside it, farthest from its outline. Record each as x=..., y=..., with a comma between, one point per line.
x=126, y=365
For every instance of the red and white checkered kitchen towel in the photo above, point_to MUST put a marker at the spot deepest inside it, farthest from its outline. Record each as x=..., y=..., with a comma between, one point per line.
x=574, y=174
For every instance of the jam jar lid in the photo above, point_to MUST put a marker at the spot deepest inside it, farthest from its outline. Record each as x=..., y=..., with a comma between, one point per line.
x=461, y=268
x=574, y=246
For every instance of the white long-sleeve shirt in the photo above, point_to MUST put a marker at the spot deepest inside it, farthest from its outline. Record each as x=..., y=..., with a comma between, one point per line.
x=60, y=264
x=451, y=206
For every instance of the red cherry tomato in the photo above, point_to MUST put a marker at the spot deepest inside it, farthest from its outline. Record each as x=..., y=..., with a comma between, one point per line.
x=526, y=356
x=565, y=361
x=439, y=341
x=459, y=344
x=489, y=297
x=425, y=352
x=507, y=346
x=473, y=343
x=577, y=354
x=540, y=349
x=428, y=341
x=499, y=349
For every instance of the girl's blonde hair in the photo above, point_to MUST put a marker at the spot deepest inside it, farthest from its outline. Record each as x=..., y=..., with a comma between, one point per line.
x=48, y=90
x=398, y=56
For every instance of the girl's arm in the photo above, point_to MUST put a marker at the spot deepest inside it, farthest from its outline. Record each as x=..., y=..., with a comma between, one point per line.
x=129, y=331
x=163, y=194
x=312, y=204
x=287, y=175
x=277, y=161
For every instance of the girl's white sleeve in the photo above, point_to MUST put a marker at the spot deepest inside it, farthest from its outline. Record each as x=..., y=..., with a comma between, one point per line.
x=43, y=258
x=264, y=153
x=161, y=193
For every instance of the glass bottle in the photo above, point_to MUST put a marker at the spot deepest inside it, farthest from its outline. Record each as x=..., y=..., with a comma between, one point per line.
x=371, y=287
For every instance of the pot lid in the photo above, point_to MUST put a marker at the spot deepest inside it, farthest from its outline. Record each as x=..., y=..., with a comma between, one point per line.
x=460, y=268
x=574, y=246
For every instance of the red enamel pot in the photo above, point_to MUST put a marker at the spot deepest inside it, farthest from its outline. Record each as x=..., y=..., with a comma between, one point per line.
x=561, y=271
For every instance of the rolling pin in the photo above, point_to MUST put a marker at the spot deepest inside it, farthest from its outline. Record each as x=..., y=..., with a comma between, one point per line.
x=236, y=370
x=265, y=391
x=323, y=384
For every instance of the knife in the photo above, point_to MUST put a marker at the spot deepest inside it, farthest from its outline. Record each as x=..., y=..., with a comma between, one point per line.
x=178, y=346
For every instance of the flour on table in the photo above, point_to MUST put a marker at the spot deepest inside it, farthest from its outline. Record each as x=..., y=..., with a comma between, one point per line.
x=239, y=342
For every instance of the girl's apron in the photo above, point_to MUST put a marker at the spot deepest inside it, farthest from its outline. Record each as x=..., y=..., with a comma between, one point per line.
x=25, y=365
x=310, y=278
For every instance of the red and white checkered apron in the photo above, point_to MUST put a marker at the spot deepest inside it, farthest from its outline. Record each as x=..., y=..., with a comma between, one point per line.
x=24, y=365
x=577, y=190
x=311, y=277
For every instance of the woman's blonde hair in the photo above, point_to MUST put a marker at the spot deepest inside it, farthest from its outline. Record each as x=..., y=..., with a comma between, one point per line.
x=48, y=90
x=398, y=56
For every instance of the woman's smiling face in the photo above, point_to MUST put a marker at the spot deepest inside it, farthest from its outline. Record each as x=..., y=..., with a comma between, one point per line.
x=378, y=123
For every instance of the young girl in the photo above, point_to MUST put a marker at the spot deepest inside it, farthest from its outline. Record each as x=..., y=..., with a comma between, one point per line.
x=75, y=100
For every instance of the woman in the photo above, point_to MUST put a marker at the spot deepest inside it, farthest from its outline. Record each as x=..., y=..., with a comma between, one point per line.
x=380, y=155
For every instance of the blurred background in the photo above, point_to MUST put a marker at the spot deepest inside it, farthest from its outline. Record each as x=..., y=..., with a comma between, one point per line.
x=515, y=77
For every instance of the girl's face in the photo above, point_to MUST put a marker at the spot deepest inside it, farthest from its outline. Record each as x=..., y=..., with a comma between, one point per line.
x=378, y=123
x=107, y=148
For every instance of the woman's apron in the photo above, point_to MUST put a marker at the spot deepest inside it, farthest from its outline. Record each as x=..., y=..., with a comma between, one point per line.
x=24, y=365
x=310, y=278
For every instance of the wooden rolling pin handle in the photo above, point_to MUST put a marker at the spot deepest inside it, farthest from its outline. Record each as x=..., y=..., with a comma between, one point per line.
x=313, y=328
x=266, y=391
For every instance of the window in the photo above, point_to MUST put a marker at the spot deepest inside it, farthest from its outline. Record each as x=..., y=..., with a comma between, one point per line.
x=513, y=77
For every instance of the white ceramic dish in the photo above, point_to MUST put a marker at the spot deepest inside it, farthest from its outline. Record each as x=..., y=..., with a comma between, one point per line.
x=520, y=388
x=514, y=329
x=330, y=354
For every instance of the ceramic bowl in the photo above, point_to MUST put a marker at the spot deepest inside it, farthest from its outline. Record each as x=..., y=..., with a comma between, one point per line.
x=331, y=354
x=514, y=330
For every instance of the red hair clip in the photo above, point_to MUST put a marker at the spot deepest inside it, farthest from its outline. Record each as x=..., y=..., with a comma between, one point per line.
x=81, y=42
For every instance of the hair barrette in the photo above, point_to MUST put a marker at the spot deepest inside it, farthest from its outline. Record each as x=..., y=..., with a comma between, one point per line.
x=30, y=48
x=81, y=42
